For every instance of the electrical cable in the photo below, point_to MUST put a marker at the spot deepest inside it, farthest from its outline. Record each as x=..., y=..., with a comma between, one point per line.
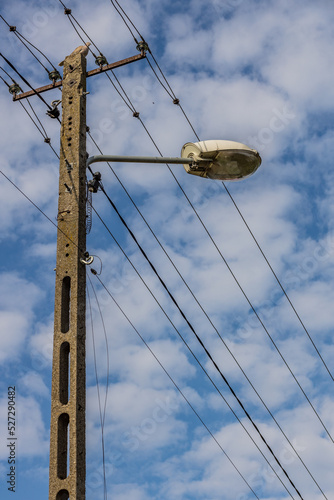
x=50, y=220
x=4, y=81
x=102, y=414
x=211, y=323
x=73, y=20
x=43, y=132
x=201, y=343
x=123, y=16
x=278, y=281
x=172, y=380
x=170, y=92
x=22, y=39
x=104, y=410
x=7, y=75
x=41, y=211
x=140, y=120
x=137, y=115
x=27, y=83
x=172, y=95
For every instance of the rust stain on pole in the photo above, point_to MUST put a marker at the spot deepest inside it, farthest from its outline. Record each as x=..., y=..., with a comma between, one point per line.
x=93, y=72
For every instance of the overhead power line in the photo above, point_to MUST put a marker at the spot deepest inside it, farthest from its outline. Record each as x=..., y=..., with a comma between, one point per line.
x=55, y=225
x=126, y=19
x=174, y=383
x=197, y=337
x=144, y=126
x=278, y=281
x=210, y=321
x=101, y=412
x=27, y=83
x=136, y=114
x=25, y=41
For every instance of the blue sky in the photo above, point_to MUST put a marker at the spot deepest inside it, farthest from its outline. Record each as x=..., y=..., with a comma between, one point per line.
x=257, y=72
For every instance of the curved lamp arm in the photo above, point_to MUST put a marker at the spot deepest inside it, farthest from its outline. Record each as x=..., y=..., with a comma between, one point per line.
x=140, y=159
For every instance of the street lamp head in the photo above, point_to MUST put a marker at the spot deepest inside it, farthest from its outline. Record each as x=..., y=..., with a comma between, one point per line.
x=223, y=160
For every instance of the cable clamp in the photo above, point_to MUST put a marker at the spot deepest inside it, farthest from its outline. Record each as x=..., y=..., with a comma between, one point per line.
x=87, y=259
x=54, y=112
x=93, y=184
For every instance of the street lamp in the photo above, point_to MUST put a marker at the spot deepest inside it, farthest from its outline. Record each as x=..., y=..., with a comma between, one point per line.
x=221, y=160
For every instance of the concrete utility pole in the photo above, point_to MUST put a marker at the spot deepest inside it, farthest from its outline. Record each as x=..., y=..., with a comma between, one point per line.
x=68, y=398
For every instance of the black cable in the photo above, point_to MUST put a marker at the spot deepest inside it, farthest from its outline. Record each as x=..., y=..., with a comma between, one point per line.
x=157, y=77
x=278, y=281
x=27, y=83
x=102, y=415
x=47, y=140
x=170, y=92
x=194, y=332
x=50, y=220
x=173, y=382
x=41, y=211
x=209, y=319
x=73, y=20
x=4, y=81
x=128, y=104
x=233, y=275
x=188, y=347
x=39, y=121
x=7, y=75
x=22, y=39
x=123, y=16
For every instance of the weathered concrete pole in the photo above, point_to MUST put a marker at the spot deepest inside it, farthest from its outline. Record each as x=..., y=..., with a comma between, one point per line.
x=68, y=397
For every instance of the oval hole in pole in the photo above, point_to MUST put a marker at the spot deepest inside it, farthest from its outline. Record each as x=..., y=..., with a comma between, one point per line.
x=63, y=445
x=64, y=373
x=62, y=495
x=65, y=304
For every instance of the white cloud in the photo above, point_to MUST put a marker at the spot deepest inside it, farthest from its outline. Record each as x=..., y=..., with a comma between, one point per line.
x=255, y=72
